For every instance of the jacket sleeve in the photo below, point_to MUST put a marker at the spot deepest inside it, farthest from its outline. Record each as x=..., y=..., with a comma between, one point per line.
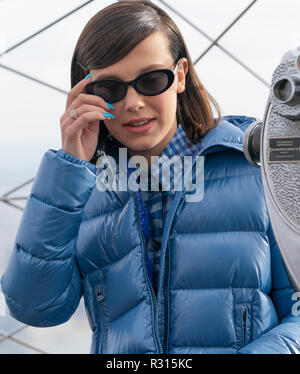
x=285, y=337
x=42, y=282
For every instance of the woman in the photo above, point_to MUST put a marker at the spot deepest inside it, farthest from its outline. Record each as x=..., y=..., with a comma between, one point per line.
x=160, y=271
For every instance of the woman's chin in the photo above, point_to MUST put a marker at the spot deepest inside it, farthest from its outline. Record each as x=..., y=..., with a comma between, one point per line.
x=140, y=148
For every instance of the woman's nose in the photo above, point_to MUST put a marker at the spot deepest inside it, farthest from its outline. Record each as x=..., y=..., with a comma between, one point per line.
x=133, y=100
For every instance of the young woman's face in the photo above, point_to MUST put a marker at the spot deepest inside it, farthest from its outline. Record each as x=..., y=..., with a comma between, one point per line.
x=151, y=54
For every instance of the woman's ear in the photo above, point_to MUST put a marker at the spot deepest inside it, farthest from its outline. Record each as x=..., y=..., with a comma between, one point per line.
x=182, y=70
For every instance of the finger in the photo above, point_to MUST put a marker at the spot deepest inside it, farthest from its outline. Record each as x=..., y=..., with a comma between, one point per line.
x=83, y=121
x=67, y=120
x=89, y=108
x=76, y=90
x=84, y=98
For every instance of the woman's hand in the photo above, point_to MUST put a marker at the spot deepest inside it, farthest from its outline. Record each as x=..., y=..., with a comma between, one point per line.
x=80, y=136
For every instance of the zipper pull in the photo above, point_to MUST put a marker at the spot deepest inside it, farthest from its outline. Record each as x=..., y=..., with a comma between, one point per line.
x=99, y=294
x=244, y=309
x=244, y=312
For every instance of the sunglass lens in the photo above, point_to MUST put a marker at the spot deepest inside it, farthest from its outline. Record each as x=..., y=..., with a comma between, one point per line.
x=153, y=83
x=109, y=90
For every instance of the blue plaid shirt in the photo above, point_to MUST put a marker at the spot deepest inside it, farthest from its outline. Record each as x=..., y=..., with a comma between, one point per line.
x=157, y=203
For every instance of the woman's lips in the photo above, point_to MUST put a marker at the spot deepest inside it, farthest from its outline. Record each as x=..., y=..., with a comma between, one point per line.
x=140, y=129
x=137, y=120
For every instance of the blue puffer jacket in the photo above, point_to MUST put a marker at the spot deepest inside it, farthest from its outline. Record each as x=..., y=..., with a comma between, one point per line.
x=222, y=285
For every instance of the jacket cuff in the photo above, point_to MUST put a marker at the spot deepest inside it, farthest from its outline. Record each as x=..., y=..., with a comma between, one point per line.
x=64, y=181
x=73, y=159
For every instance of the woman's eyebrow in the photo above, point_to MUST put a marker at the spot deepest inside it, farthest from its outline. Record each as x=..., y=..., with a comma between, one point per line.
x=113, y=76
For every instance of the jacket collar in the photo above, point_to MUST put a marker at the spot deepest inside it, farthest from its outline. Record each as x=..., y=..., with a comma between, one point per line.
x=228, y=134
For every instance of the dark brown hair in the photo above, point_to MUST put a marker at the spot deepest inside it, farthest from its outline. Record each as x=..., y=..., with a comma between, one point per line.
x=112, y=33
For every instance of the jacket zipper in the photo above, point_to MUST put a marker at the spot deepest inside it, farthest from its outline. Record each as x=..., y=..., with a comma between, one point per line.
x=165, y=291
x=100, y=297
x=153, y=297
x=165, y=303
x=165, y=287
x=244, y=317
x=166, y=280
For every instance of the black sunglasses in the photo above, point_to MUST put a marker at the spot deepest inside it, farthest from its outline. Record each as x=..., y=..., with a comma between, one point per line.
x=151, y=83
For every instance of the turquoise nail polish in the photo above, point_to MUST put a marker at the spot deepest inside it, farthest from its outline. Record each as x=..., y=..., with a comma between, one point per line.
x=108, y=115
x=109, y=105
x=88, y=76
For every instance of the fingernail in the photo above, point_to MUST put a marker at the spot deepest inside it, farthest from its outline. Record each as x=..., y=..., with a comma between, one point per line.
x=109, y=105
x=88, y=76
x=108, y=115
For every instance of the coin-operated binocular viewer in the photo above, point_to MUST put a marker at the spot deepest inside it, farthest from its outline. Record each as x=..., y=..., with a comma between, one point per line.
x=274, y=145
